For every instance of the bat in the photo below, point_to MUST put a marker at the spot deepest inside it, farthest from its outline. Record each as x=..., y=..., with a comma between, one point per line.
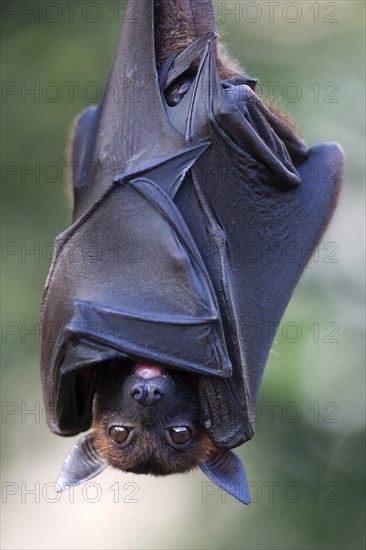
x=188, y=193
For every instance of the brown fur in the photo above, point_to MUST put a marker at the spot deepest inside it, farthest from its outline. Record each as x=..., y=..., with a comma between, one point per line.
x=149, y=454
x=175, y=30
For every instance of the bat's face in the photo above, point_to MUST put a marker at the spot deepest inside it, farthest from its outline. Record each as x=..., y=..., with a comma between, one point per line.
x=147, y=420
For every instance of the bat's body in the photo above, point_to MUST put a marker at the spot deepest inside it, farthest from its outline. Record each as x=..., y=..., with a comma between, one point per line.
x=195, y=189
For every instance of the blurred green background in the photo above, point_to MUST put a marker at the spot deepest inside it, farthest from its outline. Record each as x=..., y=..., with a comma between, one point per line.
x=306, y=463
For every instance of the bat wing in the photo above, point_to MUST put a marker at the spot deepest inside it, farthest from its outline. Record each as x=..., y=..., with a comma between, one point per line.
x=142, y=291
x=256, y=203
x=192, y=225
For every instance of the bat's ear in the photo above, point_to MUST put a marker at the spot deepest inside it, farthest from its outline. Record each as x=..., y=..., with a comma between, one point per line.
x=226, y=470
x=82, y=463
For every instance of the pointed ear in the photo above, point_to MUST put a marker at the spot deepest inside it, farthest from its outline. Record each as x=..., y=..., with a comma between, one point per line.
x=82, y=463
x=226, y=470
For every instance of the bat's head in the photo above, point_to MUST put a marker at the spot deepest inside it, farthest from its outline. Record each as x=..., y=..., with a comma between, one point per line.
x=147, y=421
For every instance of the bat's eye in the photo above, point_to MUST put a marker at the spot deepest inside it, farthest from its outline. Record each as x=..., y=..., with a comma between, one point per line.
x=119, y=434
x=180, y=434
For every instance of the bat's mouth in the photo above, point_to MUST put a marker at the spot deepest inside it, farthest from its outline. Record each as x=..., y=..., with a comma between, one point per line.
x=142, y=370
x=147, y=372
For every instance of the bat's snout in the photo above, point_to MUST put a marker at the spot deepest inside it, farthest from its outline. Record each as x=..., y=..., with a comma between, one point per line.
x=148, y=392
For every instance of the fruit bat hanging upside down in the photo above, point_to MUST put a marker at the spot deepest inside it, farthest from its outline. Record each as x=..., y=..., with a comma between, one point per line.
x=188, y=191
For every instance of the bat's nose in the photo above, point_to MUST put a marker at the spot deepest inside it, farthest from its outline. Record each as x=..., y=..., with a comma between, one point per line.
x=147, y=392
